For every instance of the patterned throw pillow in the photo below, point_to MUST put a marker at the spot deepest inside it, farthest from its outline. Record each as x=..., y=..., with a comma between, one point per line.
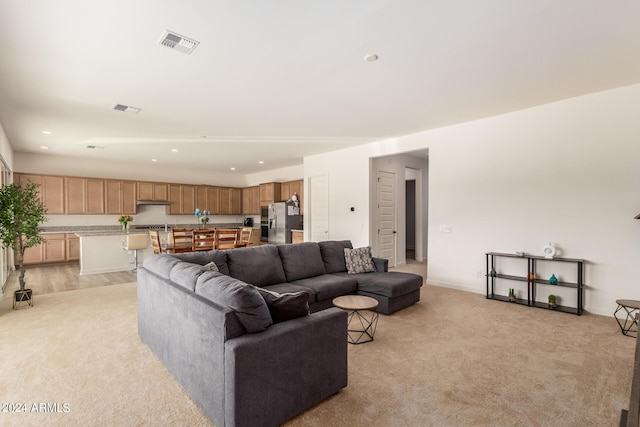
x=359, y=260
x=212, y=266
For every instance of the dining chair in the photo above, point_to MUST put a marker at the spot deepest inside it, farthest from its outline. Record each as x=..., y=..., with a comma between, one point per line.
x=182, y=240
x=244, y=238
x=226, y=238
x=154, y=236
x=204, y=239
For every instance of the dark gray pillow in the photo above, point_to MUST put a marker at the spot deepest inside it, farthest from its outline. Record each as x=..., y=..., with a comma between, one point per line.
x=359, y=260
x=333, y=255
x=242, y=298
x=301, y=260
x=285, y=306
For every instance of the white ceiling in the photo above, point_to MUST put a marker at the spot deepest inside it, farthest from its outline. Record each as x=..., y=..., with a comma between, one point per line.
x=277, y=80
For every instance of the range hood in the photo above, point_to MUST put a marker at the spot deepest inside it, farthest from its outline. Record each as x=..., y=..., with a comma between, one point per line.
x=152, y=202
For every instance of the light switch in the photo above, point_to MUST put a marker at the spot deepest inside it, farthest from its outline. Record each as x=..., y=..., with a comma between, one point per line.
x=445, y=229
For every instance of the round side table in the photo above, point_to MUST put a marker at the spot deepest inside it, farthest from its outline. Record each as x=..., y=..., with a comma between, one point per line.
x=362, y=319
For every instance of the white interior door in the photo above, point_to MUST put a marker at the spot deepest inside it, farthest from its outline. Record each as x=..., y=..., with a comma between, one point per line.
x=386, y=216
x=319, y=201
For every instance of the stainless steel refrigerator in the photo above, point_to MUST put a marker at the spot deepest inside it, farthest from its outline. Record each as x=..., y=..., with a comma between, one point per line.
x=282, y=219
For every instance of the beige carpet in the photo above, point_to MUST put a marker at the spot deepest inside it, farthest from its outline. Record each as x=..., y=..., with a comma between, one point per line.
x=454, y=359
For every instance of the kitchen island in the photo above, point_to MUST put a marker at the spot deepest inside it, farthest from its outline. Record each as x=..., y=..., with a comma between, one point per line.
x=102, y=251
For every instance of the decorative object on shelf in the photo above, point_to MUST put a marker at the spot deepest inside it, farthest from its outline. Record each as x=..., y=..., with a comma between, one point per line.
x=512, y=294
x=532, y=277
x=492, y=273
x=125, y=220
x=549, y=251
x=553, y=279
x=203, y=217
x=520, y=253
x=21, y=213
x=553, y=301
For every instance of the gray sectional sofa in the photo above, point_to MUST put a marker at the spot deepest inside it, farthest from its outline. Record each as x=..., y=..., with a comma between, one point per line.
x=257, y=342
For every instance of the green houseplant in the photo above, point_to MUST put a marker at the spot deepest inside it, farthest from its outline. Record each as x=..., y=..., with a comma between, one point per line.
x=553, y=301
x=21, y=213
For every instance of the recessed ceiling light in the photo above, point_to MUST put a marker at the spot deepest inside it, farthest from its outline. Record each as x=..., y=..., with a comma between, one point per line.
x=261, y=162
x=175, y=150
x=233, y=169
x=46, y=132
x=372, y=57
x=44, y=147
x=154, y=160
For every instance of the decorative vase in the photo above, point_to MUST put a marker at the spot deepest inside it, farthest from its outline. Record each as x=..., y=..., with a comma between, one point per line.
x=124, y=227
x=553, y=279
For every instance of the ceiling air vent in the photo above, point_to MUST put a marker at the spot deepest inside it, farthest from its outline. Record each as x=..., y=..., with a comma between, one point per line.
x=126, y=108
x=177, y=42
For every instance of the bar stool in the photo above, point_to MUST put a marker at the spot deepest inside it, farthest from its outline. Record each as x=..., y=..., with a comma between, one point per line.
x=134, y=243
x=631, y=307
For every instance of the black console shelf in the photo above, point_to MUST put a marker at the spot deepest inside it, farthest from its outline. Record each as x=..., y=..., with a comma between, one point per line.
x=532, y=284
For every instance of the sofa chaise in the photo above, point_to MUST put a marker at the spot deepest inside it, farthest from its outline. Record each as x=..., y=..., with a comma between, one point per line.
x=251, y=333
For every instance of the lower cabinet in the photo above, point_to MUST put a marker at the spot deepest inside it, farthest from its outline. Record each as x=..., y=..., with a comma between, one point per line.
x=57, y=247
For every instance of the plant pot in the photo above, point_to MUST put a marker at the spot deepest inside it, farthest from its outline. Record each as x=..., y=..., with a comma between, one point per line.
x=21, y=297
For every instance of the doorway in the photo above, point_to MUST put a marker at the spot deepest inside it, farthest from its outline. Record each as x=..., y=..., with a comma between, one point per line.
x=410, y=219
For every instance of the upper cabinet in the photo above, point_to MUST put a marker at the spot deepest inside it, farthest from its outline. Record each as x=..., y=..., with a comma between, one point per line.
x=182, y=199
x=51, y=190
x=120, y=197
x=80, y=195
x=156, y=191
x=84, y=196
x=251, y=201
x=269, y=193
x=230, y=201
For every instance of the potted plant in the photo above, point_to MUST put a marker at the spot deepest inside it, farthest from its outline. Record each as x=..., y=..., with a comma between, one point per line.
x=21, y=213
x=553, y=301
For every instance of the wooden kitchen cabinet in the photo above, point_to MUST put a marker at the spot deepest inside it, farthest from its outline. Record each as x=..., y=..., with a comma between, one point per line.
x=182, y=199
x=251, y=201
x=230, y=201
x=269, y=193
x=84, y=195
x=120, y=197
x=51, y=190
x=155, y=191
x=72, y=246
x=53, y=249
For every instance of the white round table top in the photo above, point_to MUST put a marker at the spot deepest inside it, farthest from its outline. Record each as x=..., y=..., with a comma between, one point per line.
x=355, y=302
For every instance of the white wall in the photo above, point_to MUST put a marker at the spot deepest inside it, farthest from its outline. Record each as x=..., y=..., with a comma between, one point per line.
x=291, y=173
x=566, y=172
x=6, y=152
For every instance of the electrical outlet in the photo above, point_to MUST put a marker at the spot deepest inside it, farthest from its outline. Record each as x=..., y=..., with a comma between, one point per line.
x=445, y=229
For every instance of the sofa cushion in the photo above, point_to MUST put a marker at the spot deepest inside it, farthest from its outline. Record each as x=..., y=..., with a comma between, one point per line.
x=258, y=265
x=333, y=255
x=204, y=257
x=285, y=306
x=359, y=260
x=161, y=264
x=301, y=260
x=186, y=274
x=390, y=284
x=283, y=288
x=328, y=286
x=249, y=307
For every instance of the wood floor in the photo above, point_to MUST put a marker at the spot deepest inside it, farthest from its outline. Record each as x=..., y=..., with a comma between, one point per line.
x=50, y=278
x=46, y=279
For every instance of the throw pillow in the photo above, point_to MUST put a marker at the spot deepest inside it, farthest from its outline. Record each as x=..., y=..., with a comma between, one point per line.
x=211, y=266
x=285, y=306
x=359, y=260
